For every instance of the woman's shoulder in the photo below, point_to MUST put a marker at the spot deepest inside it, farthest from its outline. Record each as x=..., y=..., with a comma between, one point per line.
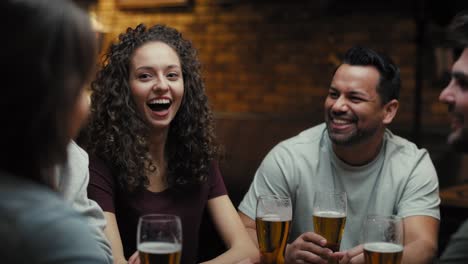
x=215, y=181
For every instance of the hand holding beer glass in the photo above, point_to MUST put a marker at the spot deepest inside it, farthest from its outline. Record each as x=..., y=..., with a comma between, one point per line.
x=383, y=239
x=159, y=239
x=273, y=220
x=329, y=217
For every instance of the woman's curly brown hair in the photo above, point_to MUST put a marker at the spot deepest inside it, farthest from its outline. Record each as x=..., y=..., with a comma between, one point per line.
x=117, y=133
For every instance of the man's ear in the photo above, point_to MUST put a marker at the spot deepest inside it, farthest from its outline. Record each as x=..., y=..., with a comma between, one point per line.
x=390, y=110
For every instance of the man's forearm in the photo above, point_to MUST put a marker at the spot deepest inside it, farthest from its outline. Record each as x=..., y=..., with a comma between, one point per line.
x=419, y=252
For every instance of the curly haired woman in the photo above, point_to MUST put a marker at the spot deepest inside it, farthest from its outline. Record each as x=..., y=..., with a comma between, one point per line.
x=152, y=147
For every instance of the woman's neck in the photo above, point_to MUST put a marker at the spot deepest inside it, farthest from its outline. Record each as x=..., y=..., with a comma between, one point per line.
x=158, y=177
x=157, y=144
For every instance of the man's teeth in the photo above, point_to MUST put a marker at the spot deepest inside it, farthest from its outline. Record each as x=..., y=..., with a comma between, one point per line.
x=340, y=122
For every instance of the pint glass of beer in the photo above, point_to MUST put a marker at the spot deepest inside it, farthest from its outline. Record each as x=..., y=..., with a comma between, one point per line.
x=273, y=220
x=329, y=217
x=159, y=239
x=383, y=239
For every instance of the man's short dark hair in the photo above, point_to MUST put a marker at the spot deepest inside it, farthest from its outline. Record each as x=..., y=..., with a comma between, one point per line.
x=457, y=32
x=390, y=82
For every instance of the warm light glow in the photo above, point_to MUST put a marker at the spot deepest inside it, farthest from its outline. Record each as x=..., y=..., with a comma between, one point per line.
x=97, y=26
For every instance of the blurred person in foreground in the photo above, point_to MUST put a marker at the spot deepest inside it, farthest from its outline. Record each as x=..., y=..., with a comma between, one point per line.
x=355, y=152
x=152, y=148
x=49, y=57
x=455, y=95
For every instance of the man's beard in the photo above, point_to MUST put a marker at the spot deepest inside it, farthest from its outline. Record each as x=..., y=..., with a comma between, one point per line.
x=353, y=138
x=458, y=140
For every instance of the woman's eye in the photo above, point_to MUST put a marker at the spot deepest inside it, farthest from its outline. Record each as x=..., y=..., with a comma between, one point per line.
x=144, y=76
x=173, y=76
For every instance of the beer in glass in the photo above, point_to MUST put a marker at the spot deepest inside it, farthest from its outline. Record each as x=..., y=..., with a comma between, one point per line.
x=383, y=239
x=329, y=217
x=159, y=239
x=273, y=221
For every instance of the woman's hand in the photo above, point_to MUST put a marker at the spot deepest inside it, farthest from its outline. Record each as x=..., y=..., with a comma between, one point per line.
x=255, y=260
x=134, y=259
x=354, y=255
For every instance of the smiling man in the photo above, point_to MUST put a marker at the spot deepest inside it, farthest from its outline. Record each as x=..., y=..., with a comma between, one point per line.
x=455, y=95
x=355, y=152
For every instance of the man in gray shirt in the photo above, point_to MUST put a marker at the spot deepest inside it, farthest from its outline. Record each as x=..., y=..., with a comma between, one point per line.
x=355, y=152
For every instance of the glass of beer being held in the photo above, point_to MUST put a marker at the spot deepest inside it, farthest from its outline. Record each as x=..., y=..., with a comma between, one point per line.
x=383, y=239
x=273, y=220
x=329, y=217
x=159, y=239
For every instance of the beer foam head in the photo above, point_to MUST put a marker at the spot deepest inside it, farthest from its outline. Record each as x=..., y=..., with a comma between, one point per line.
x=159, y=247
x=275, y=218
x=330, y=214
x=383, y=247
